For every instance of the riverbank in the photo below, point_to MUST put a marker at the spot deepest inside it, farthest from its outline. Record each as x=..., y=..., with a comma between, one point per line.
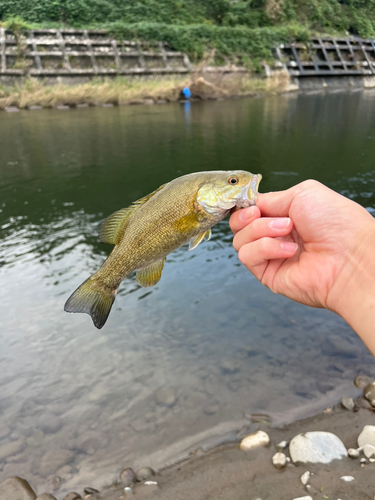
x=121, y=91
x=229, y=472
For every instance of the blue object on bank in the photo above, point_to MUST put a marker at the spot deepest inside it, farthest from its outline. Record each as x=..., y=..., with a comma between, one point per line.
x=186, y=93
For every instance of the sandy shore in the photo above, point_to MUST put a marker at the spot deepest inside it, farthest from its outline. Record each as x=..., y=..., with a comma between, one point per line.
x=228, y=473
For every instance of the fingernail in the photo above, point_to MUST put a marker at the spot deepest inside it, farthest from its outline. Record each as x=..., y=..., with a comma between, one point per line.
x=288, y=246
x=246, y=213
x=279, y=223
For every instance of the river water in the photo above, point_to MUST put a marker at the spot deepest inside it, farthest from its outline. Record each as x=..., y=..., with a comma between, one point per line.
x=82, y=403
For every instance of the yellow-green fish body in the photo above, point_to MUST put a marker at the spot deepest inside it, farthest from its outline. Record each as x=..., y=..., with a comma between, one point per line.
x=144, y=234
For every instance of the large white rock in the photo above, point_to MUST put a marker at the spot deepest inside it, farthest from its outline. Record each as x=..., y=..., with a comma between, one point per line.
x=316, y=447
x=367, y=436
x=369, y=451
x=259, y=438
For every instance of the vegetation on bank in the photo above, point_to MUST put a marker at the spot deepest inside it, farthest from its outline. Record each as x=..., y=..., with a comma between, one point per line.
x=118, y=91
x=248, y=29
x=354, y=16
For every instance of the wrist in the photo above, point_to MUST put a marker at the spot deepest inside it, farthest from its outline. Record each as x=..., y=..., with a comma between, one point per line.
x=354, y=290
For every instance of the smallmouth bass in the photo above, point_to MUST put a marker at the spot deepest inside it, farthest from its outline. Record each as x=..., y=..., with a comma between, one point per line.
x=181, y=211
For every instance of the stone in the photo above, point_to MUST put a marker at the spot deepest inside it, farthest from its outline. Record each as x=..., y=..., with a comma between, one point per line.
x=144, y=473
x=90, y=491
x=262, y=418
x=367, y=436
x=50, y=424
x=316, y=447
x=151, y=483
x=369, y=393
x=53, y=460
x=279, y=460
x=211, y=410
x=282, y=445
x=347, y=479
x=353, y=453
x=307, y=497
x=127, y=476
x=254, y=440
x=227, y=367
x=362, y=380
x=73, y=496
x=45, y=496
x=362, y=403
x=148, y=101
x=363, y=461
x=11, y=109
x=305, y=477
x=128, y=490
x=369, y=451
x=165, y=397
x=10, y=449
x=16, y=488
x=347, y=403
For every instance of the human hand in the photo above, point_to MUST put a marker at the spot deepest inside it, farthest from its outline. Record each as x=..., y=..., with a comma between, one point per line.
x=310, y=244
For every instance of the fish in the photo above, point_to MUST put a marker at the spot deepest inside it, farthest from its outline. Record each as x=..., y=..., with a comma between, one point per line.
x=181, y=211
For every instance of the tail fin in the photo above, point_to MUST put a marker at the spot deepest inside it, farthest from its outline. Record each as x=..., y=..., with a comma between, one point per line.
x=93, y=299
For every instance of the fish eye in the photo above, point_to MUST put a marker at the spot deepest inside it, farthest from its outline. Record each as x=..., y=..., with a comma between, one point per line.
x=233, y=180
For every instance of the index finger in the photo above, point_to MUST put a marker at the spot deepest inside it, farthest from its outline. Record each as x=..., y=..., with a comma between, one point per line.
x=243, y=217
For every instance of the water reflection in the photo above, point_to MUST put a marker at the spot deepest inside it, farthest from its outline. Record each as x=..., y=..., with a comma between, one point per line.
x=83, y=404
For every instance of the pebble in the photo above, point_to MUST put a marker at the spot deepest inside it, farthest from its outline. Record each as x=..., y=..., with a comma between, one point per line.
x=362, y=380
x=211, y=410
x=61, y=107
x=307, y=497
x=9, y=449
x=369, y=450
x=53, y=460
x=165, y=397
x=260, y=417
x=362, y=403
x=305, y=477
x=90, y=491
x=127, y=476
x=73, y=496
x=144, y=473
x=259, y=438
x=347, y=479
x=353, y=453
x=227, y=366
x=367, y=436
x=316, y=447
x=347, y=403
x=45, y=496
x=369, y=393
x=282, y=445
x=363, y=461
x=16, y=488
x=279, y=460
x=151, y=483
x=11, y=109
x=128, y=490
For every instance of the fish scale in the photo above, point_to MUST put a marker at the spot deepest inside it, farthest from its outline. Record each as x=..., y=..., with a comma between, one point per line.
x=180, y=211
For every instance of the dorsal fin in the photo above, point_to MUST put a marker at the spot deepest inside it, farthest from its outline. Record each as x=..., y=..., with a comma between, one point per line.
x=112, y=229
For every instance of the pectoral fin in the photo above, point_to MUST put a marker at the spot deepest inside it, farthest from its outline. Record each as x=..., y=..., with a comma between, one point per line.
x=194, y=242
x=112, y=229
x=150, y=275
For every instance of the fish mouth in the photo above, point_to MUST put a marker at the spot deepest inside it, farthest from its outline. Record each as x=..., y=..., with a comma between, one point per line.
x=249, y=194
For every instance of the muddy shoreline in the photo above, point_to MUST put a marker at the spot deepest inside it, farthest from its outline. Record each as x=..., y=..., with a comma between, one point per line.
x=228, y=473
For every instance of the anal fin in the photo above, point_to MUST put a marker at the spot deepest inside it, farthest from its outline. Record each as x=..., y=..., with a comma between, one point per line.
x=194, y=242
x=150, y=275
